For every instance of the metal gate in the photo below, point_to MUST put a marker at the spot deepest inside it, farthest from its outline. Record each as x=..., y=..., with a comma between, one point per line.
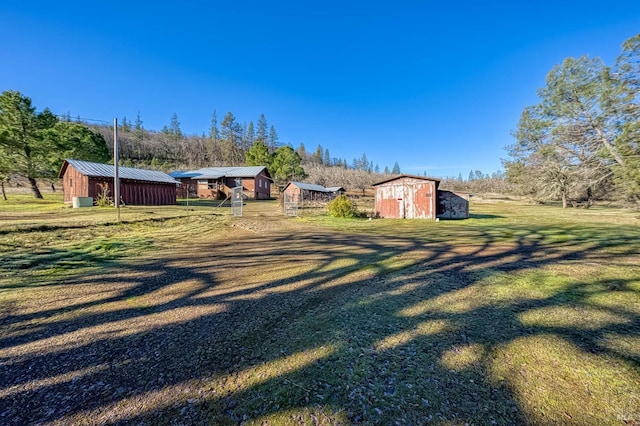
x=236, y=201
x=291, y=202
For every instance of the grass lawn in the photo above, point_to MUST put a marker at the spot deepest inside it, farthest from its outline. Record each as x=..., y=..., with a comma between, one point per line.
x=521, y=314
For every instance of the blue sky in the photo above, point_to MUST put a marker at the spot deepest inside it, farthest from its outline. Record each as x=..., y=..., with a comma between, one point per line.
x=437, y=87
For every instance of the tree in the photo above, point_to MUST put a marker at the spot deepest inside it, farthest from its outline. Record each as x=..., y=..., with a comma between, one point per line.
x=286, y=166
x=7, y=163
x=230, y=135
x=250, y=134
x=261, y=133
x=273, y=139
x=585, y=126
x=21, y=139
x=174, y=137
x=213, y=149
x=138, y=135
x=76, y=141
x=302, y=152
x=626, y=73
x=316, y=157
x=326, y=160
x=396, y=169
x=258, y=155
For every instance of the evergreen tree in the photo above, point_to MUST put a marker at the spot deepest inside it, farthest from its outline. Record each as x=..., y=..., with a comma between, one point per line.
x=273, y=139
x=258, y=155
x=214, y=133
x=326, y=160
x=250, y=134
x=20, y=138
x=286, y=166
x=396, y=169
x=261, y=133
x=138, y=135
x=316, y=158
x=302, y=152
x=230, y=135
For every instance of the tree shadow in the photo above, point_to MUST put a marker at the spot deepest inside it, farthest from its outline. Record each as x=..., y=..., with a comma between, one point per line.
x=363, y=328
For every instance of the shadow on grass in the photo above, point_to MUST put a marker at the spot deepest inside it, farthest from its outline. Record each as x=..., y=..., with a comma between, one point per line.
x=484, y=216
x=350, y=328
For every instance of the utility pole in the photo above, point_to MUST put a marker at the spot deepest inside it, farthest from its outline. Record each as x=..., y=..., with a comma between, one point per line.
x=116, y=177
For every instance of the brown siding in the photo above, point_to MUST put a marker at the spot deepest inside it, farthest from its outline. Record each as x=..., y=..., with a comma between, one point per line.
x=76, y=184
x=251, y=189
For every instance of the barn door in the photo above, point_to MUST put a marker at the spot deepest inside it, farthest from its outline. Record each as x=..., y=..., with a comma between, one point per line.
x=398, y=191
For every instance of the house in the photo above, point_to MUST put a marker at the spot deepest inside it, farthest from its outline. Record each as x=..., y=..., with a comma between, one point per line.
x=217, y=182
x=137, y=186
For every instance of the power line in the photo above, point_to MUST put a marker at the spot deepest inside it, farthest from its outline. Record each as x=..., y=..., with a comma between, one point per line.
x=68, y=117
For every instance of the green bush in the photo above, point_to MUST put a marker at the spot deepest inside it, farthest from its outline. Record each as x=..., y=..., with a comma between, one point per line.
x=341, y=206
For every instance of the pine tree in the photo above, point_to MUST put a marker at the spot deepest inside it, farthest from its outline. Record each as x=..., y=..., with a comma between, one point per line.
x=396, y=169
x=261, y=133
x=273, y=139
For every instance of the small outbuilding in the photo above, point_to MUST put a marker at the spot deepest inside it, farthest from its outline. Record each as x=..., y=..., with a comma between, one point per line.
x=301, y=192
x=407, y=196
x=217, y=182
x=418, y=197
x=137, y=186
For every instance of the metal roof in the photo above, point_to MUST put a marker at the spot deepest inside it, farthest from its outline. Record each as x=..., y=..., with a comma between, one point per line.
x=309, y=186
x=88, y=168
x=218, y=172
x=335, y=188
x=436, y=180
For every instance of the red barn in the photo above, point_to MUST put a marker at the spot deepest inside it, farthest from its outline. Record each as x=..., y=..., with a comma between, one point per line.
x=137, y=186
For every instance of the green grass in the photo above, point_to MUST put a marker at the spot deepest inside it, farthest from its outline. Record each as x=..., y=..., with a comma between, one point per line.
x=521, y=314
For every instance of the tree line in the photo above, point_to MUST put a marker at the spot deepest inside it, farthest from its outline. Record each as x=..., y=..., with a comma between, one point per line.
x=34, y=144
x=582, y=141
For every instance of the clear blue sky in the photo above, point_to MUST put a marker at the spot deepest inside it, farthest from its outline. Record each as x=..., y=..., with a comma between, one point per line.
x=436, y=86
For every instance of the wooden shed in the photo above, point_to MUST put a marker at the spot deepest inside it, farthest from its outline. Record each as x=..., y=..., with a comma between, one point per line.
x=217, y=182
x=300, y=191
x=137, y=186
x=407, y=196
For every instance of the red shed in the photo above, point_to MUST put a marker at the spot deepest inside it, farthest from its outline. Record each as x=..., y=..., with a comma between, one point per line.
x=137, y=186
x=407, y=196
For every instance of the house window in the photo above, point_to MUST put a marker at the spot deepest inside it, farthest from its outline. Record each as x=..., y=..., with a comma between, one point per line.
x=259, y=183
x=212, y=184
x=70, y=183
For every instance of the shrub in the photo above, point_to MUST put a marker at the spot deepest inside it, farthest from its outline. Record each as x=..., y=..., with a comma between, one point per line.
x=341, y=206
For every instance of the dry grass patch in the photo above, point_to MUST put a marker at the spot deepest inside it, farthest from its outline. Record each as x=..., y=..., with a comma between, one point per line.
x=521, y=314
